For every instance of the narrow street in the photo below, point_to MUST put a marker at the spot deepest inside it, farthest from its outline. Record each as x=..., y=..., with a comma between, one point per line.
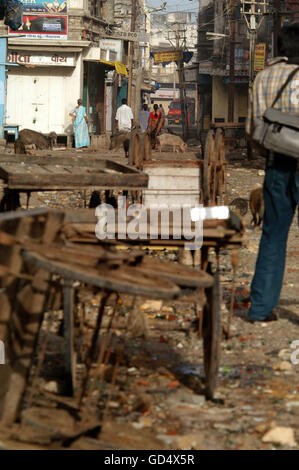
x=158, y=401
x=109, y=328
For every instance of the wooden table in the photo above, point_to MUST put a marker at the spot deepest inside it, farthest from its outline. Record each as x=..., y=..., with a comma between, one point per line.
x=62, y=174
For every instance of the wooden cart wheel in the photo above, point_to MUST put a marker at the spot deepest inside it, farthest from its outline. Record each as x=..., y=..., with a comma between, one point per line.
x=124, y=279
x=220, y=175
x=212, y=337
x=210, y=156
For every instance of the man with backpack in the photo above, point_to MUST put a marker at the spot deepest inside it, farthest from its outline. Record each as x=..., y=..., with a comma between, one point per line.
x=281, y=184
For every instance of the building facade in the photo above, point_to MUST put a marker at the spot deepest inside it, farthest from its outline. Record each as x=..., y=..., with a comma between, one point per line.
x=66, y=50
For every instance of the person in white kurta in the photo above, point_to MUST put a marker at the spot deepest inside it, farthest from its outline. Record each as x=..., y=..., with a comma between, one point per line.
x=124, y=119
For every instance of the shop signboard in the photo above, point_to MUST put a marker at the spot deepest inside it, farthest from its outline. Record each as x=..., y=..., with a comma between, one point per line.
x=167, y=56
x=56, y=7
x=111, y=46
x=43, y=27
x=38, y=59
x=259, y=57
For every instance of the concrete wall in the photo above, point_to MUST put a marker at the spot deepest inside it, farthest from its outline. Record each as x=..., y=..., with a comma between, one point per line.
x=220, y=100
x=172, y=185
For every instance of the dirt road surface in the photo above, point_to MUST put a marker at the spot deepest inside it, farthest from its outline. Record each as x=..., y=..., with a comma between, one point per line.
x=158, y=401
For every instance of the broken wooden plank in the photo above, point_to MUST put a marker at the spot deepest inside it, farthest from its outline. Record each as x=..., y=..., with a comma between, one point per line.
x=63, y=181
x=72, y=161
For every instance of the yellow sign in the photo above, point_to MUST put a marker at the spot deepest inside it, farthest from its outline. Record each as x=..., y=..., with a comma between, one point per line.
x=259, y=57
x=119, y=66
x=167, y=56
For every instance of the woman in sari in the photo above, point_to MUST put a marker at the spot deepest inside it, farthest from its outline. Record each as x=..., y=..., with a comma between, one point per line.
x=155, y=124
x=80, y=125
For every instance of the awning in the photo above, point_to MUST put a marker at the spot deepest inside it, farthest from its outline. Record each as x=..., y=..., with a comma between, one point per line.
x=119, y=66
x=146, y=87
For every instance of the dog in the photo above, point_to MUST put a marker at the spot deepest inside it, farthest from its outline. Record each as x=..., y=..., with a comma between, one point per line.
x=256, y=204
x=239, y=205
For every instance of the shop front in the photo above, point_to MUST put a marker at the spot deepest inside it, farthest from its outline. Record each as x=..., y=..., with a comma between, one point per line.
x=42, y=90
x=103, y=84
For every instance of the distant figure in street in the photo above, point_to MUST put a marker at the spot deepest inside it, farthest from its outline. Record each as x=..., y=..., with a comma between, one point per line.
x=124, y=119
x=155, y=124
x=144, y=117
x=80, y=125
x=162, y=111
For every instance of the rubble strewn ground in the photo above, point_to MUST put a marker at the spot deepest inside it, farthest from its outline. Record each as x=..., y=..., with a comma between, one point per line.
x=158, y=401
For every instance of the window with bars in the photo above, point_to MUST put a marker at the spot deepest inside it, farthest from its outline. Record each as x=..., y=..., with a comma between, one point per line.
x=95, y=8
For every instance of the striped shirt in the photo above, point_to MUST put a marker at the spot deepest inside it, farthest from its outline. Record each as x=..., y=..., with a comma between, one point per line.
x=265, y=88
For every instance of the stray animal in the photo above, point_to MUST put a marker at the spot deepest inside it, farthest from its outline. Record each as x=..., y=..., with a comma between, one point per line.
x=256, y=204
x=171, y=140
x=41, y=141
x=239, y=205
x=19, y=147
x=117, y=140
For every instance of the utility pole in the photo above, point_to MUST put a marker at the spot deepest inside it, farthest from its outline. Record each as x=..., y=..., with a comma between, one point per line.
x=140, y=71
x=253, y=13
x=131, y=53
x=182, y=81
x=276, y=26
x=231, y=84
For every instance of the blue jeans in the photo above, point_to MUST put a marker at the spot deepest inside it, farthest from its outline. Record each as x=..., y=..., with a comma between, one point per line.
x=281, y=196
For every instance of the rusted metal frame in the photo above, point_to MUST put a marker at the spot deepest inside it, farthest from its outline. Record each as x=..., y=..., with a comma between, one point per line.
x=212, y=337
x=102, y=361
x=92, y=351
x=42, y=352
x=235, y=263
x=119, y=354
x=203, y=265
x=68, y=332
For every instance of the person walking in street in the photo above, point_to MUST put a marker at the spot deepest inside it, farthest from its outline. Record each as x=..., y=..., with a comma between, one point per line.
x=144, y=117
x=162, y=111
x=80, y=125
x=155, y=124
x=281, y=184
x=124, y=119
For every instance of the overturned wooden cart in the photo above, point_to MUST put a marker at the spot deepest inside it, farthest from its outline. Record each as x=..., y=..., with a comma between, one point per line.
x=27, y=174
x=45, y=254
x=217, y=234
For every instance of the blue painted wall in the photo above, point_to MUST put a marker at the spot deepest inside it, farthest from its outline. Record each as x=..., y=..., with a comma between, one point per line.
x=3, y=51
